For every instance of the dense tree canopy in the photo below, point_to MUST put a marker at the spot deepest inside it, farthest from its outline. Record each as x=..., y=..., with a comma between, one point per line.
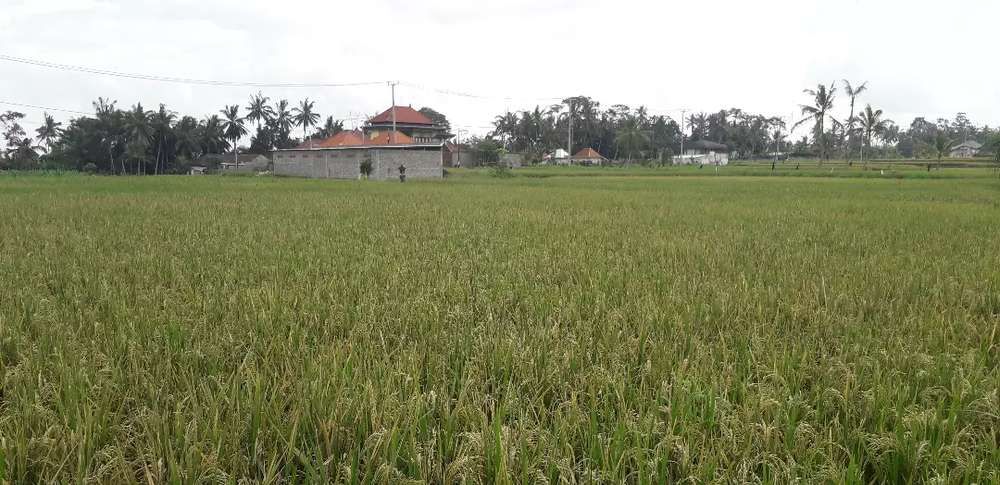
x=140, y=141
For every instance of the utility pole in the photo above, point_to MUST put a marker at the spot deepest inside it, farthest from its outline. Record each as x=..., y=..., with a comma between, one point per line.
x=392, y=137
x=683, y=112
x=569, y=145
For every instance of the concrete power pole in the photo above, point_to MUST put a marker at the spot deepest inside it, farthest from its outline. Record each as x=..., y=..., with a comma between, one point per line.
x=569, y=144
x=683, y=112
x=392, y=137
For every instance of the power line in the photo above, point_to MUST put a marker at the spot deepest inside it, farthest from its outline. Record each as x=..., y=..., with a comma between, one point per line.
x=449, y=92
x=179, y=80
x=24, y=105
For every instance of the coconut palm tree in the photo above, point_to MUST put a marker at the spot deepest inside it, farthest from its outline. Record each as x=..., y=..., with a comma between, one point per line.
x=942, y=145
x=138, y=133
x=233, y=128
x=258, y=111
x=305, y=117
x=162, y=122
x=853, y=93
x=818, y=112
x=212, y=137
x=107, y=122
x=186, y=133
x=283, y=118
x=872, y=125
x=330, y=128
x=48, y=132
x=890, y=135
x=631, y=138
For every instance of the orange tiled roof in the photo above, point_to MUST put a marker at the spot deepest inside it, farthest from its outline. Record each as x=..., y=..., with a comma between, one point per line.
x=404, y=114
x=588, y=153
x=384, y=138
x=342, y=139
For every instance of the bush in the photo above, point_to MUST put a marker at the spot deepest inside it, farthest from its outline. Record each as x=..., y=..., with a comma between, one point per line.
x=500, y=170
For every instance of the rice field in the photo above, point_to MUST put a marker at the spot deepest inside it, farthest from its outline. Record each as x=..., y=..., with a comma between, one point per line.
x=547, y=329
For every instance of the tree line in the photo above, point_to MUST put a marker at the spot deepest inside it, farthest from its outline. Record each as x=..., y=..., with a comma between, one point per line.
x=625, y=133
x=140, y=141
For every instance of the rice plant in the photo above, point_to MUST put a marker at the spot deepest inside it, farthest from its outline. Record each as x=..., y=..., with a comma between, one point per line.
x=598, y=329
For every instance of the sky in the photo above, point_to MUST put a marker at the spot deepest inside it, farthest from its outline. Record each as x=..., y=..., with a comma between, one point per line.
x=474, y=60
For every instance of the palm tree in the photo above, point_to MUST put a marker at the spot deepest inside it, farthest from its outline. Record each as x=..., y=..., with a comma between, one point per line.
x=162, y=122
x=48, y=131
x=233, y=128
x=305, y=117
x=283, y=119
x=942, y=145
x=872, y=125
x=104, y=111
x=212, y=137
x=186, y=133
x=330, y=128
x=631, y=137
x=137, y=133
x=817, y=112
x=853, y=93
x=505, y=126
x=890, y=135
x=258, y=110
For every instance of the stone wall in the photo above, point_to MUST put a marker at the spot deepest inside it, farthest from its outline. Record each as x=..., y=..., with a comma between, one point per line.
x=418, y=163
x=346, y=163
x=337, y=164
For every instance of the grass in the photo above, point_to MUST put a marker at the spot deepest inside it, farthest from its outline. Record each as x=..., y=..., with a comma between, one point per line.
x=600, y=329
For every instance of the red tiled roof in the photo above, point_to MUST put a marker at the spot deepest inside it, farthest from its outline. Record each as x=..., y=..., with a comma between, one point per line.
x=344, y=138
x=383, y=138
x=404, y=114
x=588, y=153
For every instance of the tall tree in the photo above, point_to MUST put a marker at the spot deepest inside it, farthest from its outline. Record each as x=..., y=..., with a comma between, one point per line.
x=283, y=118
x=853, y=93
x=631, y=138
x=304, y=116
x=233, y=128
x=48, y=132
x=162, y=122
x=138, y=135
x=258, y=111
x=872, y=125
x=212, y=135
x=818, y=112
x=330, y=127
x=942, y=146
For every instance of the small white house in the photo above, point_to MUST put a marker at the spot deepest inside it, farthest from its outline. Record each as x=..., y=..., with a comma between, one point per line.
x=703, y=152
x=966, y=149
x=558, y=157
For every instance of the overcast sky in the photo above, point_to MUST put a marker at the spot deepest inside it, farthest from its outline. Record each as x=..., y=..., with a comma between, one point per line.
x=920, y=57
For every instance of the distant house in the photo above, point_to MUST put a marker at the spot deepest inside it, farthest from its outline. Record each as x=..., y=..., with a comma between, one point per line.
x=558, y=157
x=588, y=156
x=398, y=137
x=966, y=149
x=703, y=152
x=417, y=127
x=248, y=162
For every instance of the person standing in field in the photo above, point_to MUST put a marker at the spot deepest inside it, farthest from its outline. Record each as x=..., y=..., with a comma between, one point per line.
x=402, y=173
